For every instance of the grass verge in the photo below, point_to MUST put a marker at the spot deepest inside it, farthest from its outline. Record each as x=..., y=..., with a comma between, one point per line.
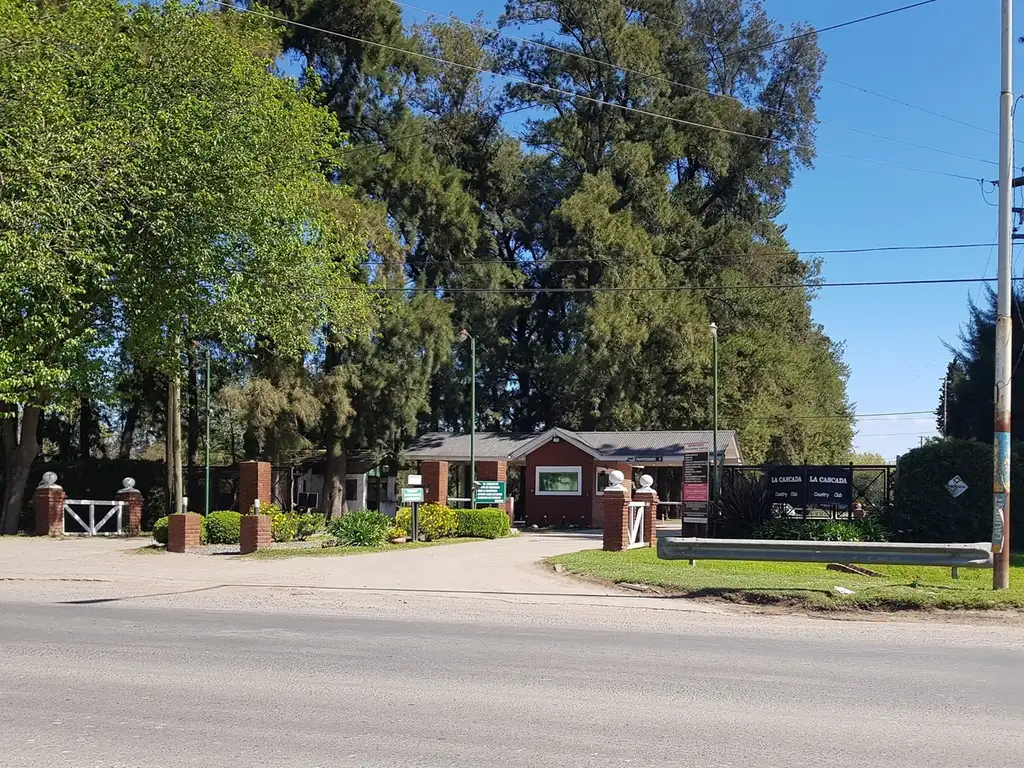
x=289, y=552
x=806, y=584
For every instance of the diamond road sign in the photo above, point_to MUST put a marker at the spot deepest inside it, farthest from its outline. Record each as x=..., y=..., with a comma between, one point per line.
x=490, y=492
x=956, y=486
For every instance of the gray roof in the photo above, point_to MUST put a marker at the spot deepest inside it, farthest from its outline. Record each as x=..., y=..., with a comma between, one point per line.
x=448, y=445
x=452, y=447
x=656, y=443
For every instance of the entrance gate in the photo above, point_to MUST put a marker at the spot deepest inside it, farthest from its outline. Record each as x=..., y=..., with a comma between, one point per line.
x=87, y=525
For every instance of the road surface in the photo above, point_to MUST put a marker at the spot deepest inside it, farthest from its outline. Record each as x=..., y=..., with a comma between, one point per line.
x=119, y=684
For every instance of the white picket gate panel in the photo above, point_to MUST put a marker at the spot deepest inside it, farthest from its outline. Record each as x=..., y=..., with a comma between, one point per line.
x=90, y=527
x=636, y=524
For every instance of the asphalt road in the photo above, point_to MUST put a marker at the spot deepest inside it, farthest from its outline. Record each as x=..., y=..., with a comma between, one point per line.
x=108, y=686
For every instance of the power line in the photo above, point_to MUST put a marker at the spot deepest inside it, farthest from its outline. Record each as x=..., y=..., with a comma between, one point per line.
x=680, y=288
x=755, y=49
x=584, y=97
x=842, y=417
x=868, y=91
x=685, y=86
x=713, y=256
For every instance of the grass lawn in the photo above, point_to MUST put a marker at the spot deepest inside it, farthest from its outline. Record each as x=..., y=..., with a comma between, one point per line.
x=809, y=584
x=287, y=552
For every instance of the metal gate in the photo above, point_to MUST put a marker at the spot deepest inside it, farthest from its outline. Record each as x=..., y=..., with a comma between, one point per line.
x=637, y=510
x=108, y=525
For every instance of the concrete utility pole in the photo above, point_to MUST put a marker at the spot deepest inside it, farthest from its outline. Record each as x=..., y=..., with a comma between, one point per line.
x=1004, y=321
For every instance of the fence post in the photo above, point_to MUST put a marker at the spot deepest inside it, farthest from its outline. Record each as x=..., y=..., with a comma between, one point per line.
x=647, y=493
x=48, y=500
x=132, y=498
x=615, y=505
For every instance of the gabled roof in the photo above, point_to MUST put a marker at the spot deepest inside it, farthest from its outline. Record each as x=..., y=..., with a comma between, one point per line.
x=447, y=446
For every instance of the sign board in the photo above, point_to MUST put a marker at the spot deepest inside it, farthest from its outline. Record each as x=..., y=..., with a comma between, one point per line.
x=696, y=520
x=490, y=492
x=956, y=486
x=645, y=459
x=695, y=485
x=829, y=486
x=786, y=485
x=811, y=486
x=409, y=495
x=415, y=480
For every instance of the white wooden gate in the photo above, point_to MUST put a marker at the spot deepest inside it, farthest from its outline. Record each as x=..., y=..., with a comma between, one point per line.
x=90, y=526
x=637, y=510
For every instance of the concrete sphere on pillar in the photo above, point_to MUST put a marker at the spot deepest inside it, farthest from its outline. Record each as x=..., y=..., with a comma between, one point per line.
x=615, y=477
x=646, y=481
x=49, y=478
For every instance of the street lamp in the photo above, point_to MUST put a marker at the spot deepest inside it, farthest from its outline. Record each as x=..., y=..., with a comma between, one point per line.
x=714, y=427
x=463, y=335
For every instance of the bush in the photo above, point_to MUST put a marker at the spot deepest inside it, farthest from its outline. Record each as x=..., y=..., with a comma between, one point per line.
x=223, y=527
x=487, y=523
x=436, y=522
x=160, y=531
x=867, y=529
x=308, y=524
x=394, y=532
x=282, y=525
x=266, y=509
x=923, y=510
x=360, y=528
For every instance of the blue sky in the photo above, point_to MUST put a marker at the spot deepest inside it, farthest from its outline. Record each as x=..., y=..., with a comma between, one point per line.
x=943, y=57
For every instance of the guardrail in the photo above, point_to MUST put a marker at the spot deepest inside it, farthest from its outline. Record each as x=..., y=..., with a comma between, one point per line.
x=860, y=552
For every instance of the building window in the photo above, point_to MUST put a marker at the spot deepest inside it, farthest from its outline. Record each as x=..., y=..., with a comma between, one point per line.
x=351, y=489
x=559, y=481
x=602, y=480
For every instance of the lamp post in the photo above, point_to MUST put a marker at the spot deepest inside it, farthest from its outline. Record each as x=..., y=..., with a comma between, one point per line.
x=206, y=482
x=714, y=426
x=463, y=335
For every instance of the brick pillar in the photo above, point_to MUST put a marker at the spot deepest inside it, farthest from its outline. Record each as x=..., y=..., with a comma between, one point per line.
x=184, y=531
x=255, y=533
x=48, y=500
x=253, y=483
x=494, y=470
x=649, y=495
x=435, y=481
x=131, y=521
x=615, y=503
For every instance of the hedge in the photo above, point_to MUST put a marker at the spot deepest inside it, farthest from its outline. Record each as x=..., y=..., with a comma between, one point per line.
x=488, y=523
x=223, y=527
x=923, y=509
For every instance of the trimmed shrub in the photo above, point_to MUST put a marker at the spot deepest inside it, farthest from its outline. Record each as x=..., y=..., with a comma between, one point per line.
x=488, y=523
x=360, y=528
x=867, y=529
x=282, y=526
x=223, y=527
x=160, y=531
x=308, y=524
x=923, y=510
x=437, y=522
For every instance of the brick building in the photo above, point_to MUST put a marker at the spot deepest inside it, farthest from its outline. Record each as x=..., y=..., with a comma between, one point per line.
x=557, y=477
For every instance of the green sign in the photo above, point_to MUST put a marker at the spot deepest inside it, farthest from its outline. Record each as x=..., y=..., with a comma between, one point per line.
x=410, y=495
x=490, y=492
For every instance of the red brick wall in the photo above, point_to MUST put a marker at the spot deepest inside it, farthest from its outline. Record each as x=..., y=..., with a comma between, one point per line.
x=49, y=506
x=435, y=481
x=253, y=483
x=615, y=508
x=255, y=533
x=559, y=510
x=131, y=520
x=184, y=531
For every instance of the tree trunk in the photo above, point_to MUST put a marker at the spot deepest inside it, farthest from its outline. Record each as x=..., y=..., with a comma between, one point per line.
x=19, y=451
x=169, y=445
x=131, y=417
x=335, y=503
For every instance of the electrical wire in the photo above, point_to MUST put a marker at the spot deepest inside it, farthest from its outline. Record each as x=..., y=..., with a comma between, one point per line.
x=755, y=49
x=685, y=86
x=867, y=91
x=719, y=256
x=680, y=288
x=584, y=97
